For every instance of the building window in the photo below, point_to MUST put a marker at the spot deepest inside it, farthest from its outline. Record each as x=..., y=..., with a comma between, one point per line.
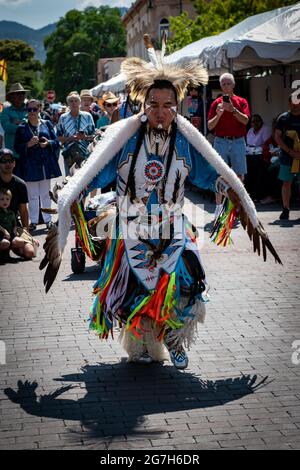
x=164, y=27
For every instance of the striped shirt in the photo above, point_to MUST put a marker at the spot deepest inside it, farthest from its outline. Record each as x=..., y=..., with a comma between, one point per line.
x=68, y=126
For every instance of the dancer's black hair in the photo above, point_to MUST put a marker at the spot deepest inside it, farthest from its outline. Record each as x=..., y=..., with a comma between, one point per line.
x=131, y=176
x=170, y=157
x=127, y=105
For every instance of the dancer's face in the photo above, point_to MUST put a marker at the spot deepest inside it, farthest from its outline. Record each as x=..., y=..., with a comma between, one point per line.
x=161, y=108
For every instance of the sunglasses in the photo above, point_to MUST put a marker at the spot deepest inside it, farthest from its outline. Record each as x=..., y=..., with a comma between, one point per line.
x=109, y=105
x=7, y=160
x=32, y=110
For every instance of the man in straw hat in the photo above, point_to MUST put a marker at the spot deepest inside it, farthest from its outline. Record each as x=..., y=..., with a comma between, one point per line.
x=86, y=102
x=13, y=115
x=152, y=280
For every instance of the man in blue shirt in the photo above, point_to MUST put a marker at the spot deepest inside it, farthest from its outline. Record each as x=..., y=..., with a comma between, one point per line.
x=13, y=115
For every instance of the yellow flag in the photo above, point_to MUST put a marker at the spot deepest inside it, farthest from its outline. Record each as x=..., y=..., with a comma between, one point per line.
x=3, y=70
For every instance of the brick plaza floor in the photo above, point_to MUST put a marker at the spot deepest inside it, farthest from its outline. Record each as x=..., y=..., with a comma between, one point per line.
x=62, y=388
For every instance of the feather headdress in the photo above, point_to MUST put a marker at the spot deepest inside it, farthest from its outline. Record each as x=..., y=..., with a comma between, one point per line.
x=141, y=75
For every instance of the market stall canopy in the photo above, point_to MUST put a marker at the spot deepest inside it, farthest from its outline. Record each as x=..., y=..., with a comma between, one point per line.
x=115, y=84
x=270, y=38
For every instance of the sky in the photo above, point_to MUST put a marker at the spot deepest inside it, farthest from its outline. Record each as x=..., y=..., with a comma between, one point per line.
x=39, y=13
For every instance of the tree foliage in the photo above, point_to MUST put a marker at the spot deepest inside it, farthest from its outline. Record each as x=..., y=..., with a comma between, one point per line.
x=214, y=17
x=95, y=31
x=21, y=65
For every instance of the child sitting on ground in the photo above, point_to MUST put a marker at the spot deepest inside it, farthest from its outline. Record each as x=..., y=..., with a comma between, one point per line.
x=8, y=227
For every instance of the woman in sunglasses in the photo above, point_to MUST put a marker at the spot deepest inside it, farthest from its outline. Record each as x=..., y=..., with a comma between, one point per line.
x=38, y=147
x=108, y=104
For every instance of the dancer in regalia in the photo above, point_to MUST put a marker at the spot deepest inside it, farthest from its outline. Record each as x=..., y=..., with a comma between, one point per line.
x=152, y=282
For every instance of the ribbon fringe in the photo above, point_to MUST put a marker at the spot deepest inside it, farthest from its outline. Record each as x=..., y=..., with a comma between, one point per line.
x=221, y=232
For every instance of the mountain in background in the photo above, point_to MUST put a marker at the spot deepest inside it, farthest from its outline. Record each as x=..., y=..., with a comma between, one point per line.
x=34, y=37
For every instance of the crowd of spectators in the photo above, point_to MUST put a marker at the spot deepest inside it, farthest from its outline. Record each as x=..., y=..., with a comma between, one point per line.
x=33, y=134
x=264, y=157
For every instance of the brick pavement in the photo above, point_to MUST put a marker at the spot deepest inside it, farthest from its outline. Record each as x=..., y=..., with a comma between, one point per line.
x=65, y=389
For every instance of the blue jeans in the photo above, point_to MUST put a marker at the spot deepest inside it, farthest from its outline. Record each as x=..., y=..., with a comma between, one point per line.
x=233, y=153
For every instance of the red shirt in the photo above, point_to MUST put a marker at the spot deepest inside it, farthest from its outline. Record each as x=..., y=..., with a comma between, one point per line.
x=228, y=125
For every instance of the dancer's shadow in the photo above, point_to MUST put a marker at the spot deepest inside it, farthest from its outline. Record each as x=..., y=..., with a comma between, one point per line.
x=119, y=396
x=285, y=223
x=91, y=273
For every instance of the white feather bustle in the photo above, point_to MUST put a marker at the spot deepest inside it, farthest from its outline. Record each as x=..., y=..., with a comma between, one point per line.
x=115, y=138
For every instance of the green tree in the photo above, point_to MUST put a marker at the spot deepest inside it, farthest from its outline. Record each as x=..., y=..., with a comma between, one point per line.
x=214, y=17
x=21, y=65
x=95, y=31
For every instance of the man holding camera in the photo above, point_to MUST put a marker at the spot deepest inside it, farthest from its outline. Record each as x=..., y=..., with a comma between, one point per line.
x=227, y=118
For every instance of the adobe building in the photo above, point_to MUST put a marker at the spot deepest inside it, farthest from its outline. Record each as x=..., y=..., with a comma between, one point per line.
x=108, y=67
x=151, y=17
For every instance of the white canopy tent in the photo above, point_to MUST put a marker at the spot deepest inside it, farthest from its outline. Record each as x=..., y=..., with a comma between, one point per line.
x=115, y=84
x=270, y=38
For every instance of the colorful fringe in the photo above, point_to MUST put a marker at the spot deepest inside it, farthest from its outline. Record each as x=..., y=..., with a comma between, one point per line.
x=190, y=232
x=161, y=305
x=100, y=321
x=83, y=231
x=157, y=306
x=221, y=231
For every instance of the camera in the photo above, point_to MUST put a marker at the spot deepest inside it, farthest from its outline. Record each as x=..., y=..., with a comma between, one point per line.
x=226, y=99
